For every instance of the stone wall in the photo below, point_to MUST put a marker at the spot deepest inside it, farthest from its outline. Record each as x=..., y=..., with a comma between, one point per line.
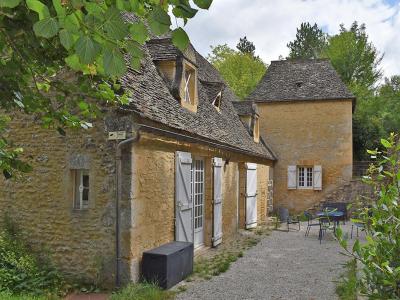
x=308, y=133
x=80, y=242
x=153, y=194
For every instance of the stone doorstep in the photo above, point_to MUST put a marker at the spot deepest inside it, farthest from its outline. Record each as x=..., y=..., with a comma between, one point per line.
x=92, y=296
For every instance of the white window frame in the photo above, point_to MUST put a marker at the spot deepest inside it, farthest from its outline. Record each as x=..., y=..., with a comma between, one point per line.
x=79, y=203
x=308, y=176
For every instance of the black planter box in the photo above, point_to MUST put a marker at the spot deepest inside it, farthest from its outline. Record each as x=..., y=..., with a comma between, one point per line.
x=168, y=264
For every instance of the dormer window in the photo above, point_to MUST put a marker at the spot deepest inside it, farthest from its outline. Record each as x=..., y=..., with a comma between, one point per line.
x=217, y=101
x=189, y=87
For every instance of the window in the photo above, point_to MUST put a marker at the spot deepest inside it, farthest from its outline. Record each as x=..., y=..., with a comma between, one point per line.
x=81, y=189
x=256, y=130
x=217, y=102
x=190, y=85
x=188, y=88
x=305, y=177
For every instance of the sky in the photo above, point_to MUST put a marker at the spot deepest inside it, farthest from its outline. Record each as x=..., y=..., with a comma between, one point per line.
x=271, y=24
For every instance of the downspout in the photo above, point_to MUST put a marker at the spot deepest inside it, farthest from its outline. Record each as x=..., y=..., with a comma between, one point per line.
x=118, y=200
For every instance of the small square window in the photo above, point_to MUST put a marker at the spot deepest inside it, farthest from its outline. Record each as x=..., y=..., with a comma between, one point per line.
x=81, y=189
x=305, y=177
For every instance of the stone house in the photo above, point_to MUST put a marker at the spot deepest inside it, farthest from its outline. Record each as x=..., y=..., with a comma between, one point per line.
x=305, y=114
x=176, y=163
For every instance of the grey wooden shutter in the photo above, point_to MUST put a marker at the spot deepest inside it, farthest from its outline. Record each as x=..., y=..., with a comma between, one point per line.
x=183, y=198
x=217, y=227
x=251, y=195
x=317, y=177
x=292, y=177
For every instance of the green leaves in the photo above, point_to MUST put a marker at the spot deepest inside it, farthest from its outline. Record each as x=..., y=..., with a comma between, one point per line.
x=114, y=26
x=204, y=4
x=38, y=7
x=138, y=32
x=86, y=49
x=180, y=38
x=114, y=63
x=159, y=21
x=46, y=28
x=386, y=143
x=9, y=3
x=67, y=39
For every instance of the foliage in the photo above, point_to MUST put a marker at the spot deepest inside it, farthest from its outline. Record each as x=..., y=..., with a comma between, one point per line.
x=241, y=71
x=57, y=56
x=379, y=256
x=220, y=263
x=309, y=43
x=245, y=46
x=21, y=271
x=142, y=291
x=346, y=287
x=354, y=57
x=9, y=296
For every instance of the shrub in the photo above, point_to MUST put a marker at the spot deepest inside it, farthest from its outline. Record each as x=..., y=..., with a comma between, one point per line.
x=380, y=255
x=21, y=271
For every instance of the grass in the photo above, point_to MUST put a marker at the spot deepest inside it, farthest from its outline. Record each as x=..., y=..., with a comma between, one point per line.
x=142, y=291
x=220, y=263
x=8, y=296
x=346, y=287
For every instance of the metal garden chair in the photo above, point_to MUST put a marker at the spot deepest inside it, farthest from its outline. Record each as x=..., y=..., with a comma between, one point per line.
x=310, y=218
x=285, y=217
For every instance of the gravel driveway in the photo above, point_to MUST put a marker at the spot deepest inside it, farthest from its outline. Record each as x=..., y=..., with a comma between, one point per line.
x=282, y=266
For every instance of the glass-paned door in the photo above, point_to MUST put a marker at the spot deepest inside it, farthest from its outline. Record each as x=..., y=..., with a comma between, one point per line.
x=198, y=201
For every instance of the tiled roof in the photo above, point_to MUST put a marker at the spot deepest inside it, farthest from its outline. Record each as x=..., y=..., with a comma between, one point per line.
x=245, y=108
x=152, y=99
x=300, y=79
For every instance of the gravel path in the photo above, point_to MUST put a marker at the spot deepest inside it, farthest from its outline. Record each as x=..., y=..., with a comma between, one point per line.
x=282, y=266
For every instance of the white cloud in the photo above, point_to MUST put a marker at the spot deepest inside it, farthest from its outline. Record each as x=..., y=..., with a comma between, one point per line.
x=271, y=24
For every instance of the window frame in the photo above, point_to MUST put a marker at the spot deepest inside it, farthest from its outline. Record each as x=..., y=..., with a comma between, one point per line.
x=186, y=88
x=308, y=176
x=79, y=188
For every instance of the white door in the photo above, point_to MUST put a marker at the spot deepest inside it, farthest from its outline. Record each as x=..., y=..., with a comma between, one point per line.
x=251, y=195
x=198, y=201
x=217, y=224
x=183, y=198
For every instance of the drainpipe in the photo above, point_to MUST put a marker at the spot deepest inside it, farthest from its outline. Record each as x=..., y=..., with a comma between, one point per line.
x=118, y=200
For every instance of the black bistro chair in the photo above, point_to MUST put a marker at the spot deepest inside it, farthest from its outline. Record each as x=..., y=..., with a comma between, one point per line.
x=285, y=217
x=310, y=222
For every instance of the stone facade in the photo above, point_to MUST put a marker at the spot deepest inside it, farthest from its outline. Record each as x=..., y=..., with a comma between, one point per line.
x=308, y=133
x=82, y=242
x=153, y=194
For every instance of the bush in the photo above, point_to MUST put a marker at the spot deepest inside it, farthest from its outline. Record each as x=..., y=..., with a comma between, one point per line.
x=21, y=271
x=380, y=255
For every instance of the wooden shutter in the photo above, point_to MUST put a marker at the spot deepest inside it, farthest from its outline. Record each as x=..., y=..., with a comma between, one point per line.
x=251, y=195
x=217, y=227
x=183, y=198
x=317, y=177
x=292, y=177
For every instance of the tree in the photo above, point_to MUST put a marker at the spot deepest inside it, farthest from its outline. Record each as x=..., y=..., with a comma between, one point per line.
x=245, y=46
x=354, y=57
x=379, y=256
x=42, y=44
x=309, y=43
x=241, y=71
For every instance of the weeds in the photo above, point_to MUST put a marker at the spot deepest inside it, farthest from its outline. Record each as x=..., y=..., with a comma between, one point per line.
x=346, y=287
x=142, y=291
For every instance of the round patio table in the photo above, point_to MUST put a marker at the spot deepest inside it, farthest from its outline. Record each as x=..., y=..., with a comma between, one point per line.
x=334, y=215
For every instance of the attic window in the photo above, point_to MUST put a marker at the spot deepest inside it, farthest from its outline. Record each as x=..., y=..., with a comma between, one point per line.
x=217, y=101
x=189, y=87
x=256, y=129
